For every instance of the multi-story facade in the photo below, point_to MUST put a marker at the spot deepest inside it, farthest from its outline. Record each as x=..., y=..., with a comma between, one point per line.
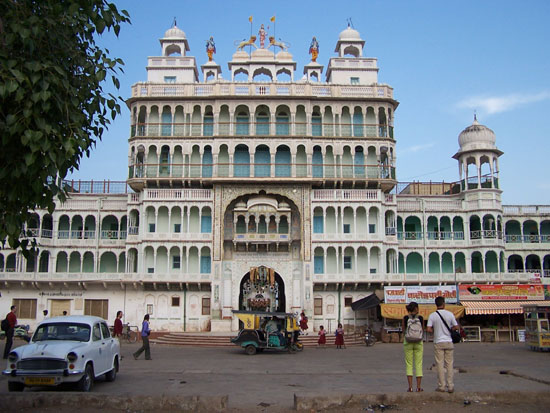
x=263, y=191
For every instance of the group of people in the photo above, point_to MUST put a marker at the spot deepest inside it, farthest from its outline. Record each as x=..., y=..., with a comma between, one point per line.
x=145, y=332
x=441, y=322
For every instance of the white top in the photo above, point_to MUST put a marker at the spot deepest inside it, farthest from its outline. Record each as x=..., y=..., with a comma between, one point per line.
x=442, y=333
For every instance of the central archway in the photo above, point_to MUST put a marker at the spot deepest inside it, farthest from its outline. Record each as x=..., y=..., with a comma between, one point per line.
x=263, y=291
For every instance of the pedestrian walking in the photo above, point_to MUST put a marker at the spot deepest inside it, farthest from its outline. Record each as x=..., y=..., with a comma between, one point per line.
x=322, y=337
x=145, y=331
x=45, y=312
x=339, y=341
x=413, y=347
x=11, y=323
x=117, y=328
x=303, y=322
x=439, y=323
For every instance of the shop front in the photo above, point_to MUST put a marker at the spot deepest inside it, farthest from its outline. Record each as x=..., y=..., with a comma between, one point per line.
x=396, y=298
x=494, y=312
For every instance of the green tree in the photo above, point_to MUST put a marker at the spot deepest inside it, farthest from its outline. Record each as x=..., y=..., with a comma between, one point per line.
x=52, y=104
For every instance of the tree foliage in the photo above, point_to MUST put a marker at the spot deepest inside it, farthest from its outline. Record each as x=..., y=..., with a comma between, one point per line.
x=52, y=104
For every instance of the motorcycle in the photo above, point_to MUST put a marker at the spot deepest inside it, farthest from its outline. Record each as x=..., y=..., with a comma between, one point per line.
x=21, y=331
x=370, y=339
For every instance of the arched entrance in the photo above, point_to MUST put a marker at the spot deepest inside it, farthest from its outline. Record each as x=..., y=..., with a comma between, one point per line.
x=262, y=289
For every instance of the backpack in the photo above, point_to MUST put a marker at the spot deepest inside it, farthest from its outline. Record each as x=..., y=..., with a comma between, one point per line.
x=414, y=332
x=5, y=324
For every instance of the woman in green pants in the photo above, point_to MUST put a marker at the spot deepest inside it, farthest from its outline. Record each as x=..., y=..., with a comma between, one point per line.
x=413, y=328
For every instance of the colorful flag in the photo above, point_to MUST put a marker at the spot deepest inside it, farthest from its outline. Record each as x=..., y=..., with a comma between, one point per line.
x=273, y=19
x=250, y=19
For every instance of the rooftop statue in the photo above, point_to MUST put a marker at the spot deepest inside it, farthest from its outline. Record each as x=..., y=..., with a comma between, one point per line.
x=210, y=48
x=314, y=49
x=262, y=34
x=244, y=43
x=282, y=45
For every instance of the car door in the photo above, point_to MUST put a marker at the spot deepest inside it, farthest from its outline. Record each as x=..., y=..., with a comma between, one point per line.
x=110, y=346
x=98, y=351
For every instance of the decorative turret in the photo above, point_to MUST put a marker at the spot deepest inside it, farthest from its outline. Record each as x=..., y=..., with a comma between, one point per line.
x=349, y=43
x=478, y=147
x=174, y=66
x=350, y=67
x=174, y=42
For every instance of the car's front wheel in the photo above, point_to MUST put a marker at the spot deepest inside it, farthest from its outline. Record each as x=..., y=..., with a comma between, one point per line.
x=86, y=383
x=15, y=386
x=111, y=375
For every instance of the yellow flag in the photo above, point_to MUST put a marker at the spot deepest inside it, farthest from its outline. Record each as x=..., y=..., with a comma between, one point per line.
x=250, y=19
x=273, y=19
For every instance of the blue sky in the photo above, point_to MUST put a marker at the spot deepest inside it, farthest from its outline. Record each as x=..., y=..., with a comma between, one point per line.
x=444, y=60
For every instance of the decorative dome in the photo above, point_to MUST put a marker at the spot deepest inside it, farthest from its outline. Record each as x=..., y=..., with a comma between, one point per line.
x=476, y=136
x=283, y=55
x=174, y=33
x=260, y=54
x=349, y=34
x=240, y=55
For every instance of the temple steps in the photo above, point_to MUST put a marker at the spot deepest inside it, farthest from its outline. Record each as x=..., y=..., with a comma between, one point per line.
x=216, y=340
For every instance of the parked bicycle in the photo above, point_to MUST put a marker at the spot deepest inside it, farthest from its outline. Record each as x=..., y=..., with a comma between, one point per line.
x=130, y=333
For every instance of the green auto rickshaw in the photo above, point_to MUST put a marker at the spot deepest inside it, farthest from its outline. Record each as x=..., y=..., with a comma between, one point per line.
x=267, y=330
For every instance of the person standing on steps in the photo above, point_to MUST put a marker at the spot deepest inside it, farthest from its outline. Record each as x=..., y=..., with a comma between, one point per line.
x=303, y=322
x=339, y=341
x=443, y=344
x=322, y=337
x=145, y=331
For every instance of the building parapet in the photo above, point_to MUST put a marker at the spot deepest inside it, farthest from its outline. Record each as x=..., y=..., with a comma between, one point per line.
x=522, y=210
x=372, y=195
x=173, y=90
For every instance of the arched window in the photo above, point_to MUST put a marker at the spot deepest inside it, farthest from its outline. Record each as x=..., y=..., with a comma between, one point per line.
x=282, y=161
x=242, y=161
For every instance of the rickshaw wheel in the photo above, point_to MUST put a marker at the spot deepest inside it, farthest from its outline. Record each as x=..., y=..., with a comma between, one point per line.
x=250, y=350
x=299, y=347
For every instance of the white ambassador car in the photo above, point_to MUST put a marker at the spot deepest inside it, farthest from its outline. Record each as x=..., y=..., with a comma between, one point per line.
x=68, y=349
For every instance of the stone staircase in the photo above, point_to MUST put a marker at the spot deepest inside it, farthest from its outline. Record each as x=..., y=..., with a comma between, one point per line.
x=217, y=340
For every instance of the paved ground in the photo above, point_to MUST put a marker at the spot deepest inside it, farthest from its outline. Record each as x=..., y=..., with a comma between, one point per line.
x=268, y=381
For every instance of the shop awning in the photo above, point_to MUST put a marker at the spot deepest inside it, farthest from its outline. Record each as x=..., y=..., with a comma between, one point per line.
x=495, y=307
x=365, y=303
x=398, y=311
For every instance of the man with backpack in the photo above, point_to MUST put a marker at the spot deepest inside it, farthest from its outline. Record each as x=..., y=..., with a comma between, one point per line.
x=413, y=329
x=441, y=322
x=10, y=322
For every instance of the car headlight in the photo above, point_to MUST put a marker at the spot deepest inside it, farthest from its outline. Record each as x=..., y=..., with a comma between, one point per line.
x=13, y=356
x=72, y=357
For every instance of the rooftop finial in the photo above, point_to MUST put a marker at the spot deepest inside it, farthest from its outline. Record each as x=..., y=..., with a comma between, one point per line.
x=174, y=25
x=475, y=115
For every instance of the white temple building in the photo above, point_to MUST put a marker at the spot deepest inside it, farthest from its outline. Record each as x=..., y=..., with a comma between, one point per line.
x=278, y=195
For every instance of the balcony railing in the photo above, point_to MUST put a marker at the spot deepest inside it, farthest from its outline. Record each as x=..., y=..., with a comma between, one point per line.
x=267, y=128
x=486, y=234
x=346, y=195
x=264, y=89
x=261, y=170
x=249, y=237
x=65, y=234
x=544, y=238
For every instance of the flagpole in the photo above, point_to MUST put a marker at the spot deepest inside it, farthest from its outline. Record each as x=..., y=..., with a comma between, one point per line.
x=274, y=21
x=250, y=45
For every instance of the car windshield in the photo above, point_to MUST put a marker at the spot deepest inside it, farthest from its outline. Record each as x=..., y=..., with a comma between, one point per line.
x=62, y=331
